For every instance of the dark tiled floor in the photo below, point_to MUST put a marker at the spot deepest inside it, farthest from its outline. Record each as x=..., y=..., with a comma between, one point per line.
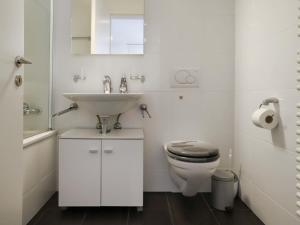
x=159, y=209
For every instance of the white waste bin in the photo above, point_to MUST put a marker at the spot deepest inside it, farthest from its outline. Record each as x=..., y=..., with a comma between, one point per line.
x=223, y=189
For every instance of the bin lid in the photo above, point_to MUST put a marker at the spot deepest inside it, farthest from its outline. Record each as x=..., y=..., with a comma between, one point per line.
x=223, y=175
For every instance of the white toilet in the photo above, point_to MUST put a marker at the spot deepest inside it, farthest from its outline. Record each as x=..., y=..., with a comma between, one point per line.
x=191, y=164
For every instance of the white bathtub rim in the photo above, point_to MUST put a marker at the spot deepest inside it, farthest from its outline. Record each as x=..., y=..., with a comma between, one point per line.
x=37, y=138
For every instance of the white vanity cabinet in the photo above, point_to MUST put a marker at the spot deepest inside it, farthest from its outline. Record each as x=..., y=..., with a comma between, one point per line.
x=79, y=172
x=122, y=173
x=101, y=170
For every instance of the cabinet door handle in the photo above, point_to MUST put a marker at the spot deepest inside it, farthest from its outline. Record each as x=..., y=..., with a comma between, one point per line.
x=93, y=151
x=108, y=150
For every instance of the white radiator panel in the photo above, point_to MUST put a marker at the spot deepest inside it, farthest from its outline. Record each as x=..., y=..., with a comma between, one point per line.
x=298, y=125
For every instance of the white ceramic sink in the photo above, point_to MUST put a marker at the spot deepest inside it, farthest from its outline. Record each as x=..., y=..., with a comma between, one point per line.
x=108, y=104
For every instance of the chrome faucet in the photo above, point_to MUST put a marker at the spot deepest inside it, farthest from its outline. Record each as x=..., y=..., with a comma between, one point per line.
x=107, y=85
x=29, y=110
x=123, y=85
x=73, y=106
x=103, y=124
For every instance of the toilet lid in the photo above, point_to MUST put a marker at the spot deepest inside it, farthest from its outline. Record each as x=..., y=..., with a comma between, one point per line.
x=193, y=149
x=193, y=159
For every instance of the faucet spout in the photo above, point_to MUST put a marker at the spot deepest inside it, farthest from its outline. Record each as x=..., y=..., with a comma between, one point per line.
x=72, y=107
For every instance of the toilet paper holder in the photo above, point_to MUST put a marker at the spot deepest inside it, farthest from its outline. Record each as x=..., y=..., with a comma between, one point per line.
x=264, y=117
x=268, y=101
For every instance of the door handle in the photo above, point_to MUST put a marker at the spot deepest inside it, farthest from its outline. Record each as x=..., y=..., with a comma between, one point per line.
x=19, y=61
x=93, y=151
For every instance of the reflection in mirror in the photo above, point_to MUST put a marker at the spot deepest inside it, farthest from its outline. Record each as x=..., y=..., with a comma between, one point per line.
x=81, y=26
x=107, y=26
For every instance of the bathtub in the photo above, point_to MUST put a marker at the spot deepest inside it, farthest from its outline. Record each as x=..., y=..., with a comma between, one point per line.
x=39, y=171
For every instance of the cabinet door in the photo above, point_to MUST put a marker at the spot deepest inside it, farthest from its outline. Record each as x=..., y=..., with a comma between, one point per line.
x=79, y=172
x=122, y=173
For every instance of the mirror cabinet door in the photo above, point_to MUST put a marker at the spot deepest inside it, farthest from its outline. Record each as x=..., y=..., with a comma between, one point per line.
x=107, y=27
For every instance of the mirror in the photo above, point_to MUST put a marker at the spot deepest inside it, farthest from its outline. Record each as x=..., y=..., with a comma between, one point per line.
x=107, y=27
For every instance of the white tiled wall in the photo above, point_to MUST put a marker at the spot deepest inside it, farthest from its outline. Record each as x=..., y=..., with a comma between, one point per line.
x=197, y=34
x=266, y=47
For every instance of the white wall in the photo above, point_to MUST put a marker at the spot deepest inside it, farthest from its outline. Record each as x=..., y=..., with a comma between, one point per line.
x=266, y=47
x=180, y=34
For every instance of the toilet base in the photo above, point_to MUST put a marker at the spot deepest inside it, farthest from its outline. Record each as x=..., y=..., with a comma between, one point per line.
x=191, y=177
x=191, y=184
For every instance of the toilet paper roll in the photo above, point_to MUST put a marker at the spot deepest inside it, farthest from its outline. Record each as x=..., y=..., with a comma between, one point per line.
x=265, y=118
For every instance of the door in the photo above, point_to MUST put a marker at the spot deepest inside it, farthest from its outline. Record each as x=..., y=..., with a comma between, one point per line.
x=11, y=115
x=122, y=173
x=79, y=172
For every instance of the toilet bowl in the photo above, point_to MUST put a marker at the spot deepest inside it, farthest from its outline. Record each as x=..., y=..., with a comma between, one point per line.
x=191, y=164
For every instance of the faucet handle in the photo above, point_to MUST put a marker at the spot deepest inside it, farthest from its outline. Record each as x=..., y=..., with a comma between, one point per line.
x=107, y=79
x=99, y=124
x=107, y=84
x=144, y=108
x=123, y=79
x=143, y=114
x=123, y=85
x=148, y=113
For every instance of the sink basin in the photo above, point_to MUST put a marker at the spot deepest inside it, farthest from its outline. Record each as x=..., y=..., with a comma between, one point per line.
x=108, y=104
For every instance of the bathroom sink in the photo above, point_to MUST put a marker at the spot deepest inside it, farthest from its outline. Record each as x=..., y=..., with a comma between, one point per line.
x=108, y=104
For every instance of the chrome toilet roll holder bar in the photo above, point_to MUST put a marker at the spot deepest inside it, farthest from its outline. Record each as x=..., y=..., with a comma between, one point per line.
x=268, y=101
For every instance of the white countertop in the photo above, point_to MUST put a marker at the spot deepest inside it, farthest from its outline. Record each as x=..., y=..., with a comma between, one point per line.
x=123, y=134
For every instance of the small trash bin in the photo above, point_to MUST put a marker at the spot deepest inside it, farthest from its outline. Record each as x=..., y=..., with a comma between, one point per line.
x=223, y=189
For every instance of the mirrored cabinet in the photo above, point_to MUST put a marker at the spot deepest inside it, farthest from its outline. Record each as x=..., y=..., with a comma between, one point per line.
x=107, y=27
